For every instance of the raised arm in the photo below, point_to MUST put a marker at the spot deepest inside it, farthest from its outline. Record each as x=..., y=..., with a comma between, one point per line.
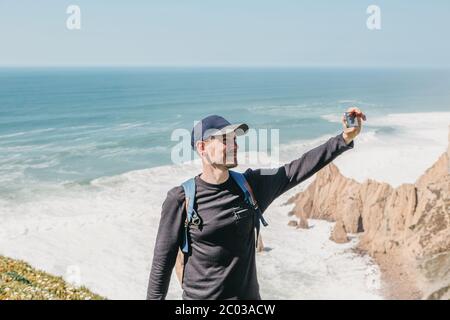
x=167, y=243
x=268, y=187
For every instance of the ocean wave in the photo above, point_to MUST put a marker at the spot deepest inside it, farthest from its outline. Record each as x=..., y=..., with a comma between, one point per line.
x=133, y=151
x=297, y=110
x=30, y=132
x=332, y=117
x=13, y=135
x=358, y=103
x=25, y=148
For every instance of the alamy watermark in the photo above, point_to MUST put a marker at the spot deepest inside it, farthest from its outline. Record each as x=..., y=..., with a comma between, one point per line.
x=374, y=20
x=73, y=275
x=256, y=147
x=73, y=22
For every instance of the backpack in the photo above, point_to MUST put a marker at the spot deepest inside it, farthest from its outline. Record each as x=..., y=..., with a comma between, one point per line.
x=193, y=218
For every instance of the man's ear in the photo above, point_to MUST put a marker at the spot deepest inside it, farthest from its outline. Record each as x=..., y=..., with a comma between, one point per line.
x=200, y=147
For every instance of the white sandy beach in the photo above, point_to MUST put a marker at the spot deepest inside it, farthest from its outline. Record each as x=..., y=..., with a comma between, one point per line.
x=102, y=235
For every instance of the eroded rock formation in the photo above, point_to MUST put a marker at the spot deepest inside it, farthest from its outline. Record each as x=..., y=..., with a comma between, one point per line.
x=410, y=222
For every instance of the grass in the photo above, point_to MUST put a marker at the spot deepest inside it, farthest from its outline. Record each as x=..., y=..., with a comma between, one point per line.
x=20, y=281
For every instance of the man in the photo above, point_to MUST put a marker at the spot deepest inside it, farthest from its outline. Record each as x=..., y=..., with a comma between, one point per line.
x=221, y=264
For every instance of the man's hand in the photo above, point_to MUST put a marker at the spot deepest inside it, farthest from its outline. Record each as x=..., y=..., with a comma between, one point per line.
x=350, y=133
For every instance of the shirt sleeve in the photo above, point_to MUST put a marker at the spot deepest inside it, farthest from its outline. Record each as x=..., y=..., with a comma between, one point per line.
x=268, y=184
x=168, y=241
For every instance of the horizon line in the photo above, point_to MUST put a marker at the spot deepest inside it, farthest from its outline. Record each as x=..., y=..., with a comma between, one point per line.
x=249, y=66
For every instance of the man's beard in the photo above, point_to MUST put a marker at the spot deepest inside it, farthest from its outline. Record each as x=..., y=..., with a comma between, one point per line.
x=224, y=164
x=233, y=163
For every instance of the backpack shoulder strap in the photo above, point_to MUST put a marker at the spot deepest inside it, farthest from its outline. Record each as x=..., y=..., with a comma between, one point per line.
x=189, y=193
x=243, y=184
x=249, y=196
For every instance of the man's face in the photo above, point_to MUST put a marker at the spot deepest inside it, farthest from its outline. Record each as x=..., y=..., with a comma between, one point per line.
x=221, y=150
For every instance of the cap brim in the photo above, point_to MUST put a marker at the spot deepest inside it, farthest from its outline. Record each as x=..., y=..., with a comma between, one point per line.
x=239, y=128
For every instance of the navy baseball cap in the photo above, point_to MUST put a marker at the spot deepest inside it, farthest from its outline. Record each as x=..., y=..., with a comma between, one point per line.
x=214, y=126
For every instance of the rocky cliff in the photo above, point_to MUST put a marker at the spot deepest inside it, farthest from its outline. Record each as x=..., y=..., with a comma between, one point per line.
x=405, y=228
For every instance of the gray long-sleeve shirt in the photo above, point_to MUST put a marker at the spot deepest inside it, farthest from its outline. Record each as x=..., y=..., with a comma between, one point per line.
x=222, y=263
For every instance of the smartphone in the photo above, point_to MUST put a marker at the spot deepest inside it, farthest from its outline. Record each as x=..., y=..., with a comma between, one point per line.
x=351, y=120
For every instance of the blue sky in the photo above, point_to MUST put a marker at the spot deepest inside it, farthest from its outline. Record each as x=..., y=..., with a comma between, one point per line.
x=208, y=32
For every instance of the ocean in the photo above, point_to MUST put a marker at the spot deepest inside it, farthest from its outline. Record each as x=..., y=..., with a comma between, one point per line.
x=85, y=161
x=74, y=125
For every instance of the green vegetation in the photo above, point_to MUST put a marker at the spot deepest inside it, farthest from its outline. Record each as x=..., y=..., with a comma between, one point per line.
x=19, y=281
